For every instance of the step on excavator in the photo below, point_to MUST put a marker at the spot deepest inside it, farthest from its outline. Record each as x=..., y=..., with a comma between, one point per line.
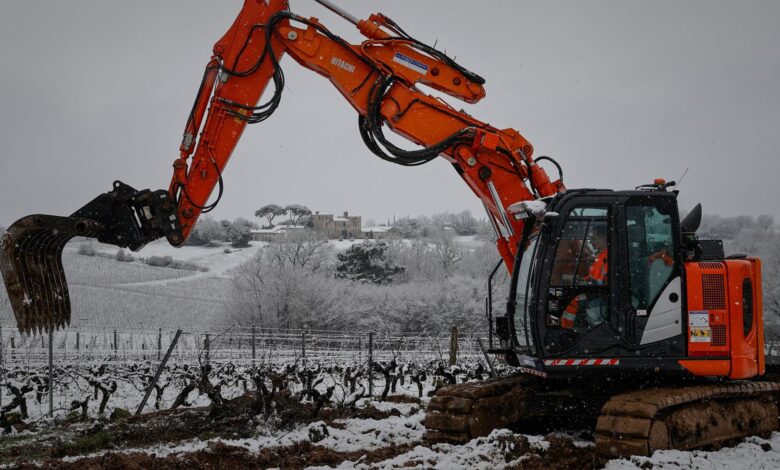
x=618, y=314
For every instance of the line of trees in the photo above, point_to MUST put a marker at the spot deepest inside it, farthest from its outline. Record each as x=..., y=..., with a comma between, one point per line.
x=426, y=285
x=462, y=223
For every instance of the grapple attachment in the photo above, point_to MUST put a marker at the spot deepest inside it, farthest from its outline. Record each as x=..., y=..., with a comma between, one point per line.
x=31, y=263
x=31, y=249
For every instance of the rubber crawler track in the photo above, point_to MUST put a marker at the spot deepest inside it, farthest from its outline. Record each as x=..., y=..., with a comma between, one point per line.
x=696, y=416
x=632, y=423
x=459, y=413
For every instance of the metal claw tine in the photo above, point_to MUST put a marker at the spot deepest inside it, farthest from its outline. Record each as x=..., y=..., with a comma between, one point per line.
x=31, y=265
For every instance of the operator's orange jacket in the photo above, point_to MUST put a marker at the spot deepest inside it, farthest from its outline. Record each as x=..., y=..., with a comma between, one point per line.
x=597, y=273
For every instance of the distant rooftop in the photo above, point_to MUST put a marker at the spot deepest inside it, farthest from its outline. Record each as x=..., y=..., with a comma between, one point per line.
x=379, y=229
x=278, y=229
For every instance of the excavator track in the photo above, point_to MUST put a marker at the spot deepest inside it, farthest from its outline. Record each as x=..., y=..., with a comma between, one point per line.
x=683, y=418
x=459, y=413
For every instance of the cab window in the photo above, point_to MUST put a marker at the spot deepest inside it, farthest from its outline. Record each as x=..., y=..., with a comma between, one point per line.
x=578, y=299
x=581, y=257
x=650, y=253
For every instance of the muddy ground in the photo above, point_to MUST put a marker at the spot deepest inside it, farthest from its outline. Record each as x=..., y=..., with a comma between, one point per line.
x=55, y=447
x=559, y=456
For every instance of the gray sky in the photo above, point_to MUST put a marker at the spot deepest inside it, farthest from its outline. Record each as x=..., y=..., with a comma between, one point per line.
x=619, y=92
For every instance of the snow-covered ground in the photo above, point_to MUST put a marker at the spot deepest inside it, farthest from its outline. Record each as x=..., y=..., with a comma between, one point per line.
x=404, y=428
x=128, y=295
x=356, y=435
x=218, y=260
x=490, y=452
x=753, y=453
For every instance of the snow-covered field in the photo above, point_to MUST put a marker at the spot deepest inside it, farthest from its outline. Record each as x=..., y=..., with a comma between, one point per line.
x=134, y=294
x=125, y=295
x=358, y=438
x=393, y=440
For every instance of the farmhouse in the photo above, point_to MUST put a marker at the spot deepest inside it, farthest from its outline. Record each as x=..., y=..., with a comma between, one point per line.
x=346, y=226
x=330, y=226
x=275, y=233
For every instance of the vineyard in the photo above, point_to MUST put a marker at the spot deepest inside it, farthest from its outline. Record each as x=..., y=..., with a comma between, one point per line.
x=107, y=369
x=287, y=398
x=283, y=387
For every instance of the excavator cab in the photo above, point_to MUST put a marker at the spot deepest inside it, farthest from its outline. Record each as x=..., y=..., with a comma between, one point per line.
x=616, y=279
x=610, y=262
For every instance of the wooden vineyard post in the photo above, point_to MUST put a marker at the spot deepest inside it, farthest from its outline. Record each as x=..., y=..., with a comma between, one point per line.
x=454, y=346
x=303, y=348
x=51, y=371
x=116, y=344
x=207, y=347
x=159, y=371
x=78, y=341
x=159, y=343
x=254, y=349
x=371, y=364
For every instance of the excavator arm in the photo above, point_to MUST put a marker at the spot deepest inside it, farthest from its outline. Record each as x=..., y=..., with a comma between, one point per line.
x=380, y=78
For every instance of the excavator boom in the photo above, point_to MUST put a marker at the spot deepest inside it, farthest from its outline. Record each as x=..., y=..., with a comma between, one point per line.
x=379, y=78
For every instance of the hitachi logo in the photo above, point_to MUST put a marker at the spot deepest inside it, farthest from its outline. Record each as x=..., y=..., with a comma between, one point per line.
x=343, y=65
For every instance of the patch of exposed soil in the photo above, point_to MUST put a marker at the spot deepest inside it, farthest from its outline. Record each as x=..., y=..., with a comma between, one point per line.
x=561, y=455
x=236, y=420
x=219, y=455
x=402, y=399
x=518, y=453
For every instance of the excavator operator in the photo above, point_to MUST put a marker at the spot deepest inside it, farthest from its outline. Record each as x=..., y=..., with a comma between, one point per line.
x=597, y=273
x=584, y=311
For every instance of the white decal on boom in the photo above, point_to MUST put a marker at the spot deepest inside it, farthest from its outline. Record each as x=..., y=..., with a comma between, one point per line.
x=343, y=65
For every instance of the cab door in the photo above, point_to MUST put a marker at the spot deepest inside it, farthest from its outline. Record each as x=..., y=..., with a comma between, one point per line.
x=652, y=296
x=576, y=300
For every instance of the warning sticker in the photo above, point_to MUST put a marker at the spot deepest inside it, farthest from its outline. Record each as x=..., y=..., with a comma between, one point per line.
x=699, y=318
x=701, y=335
x=408, y=62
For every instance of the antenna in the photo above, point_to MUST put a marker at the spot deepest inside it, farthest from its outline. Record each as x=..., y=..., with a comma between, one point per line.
x=679, y=180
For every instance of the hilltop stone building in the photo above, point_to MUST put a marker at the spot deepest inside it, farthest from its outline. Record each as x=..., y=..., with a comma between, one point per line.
x=275, y=233
x=330, y=226
x=346, y=226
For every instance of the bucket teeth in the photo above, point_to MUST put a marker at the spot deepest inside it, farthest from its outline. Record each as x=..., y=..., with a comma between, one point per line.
x=31, y=264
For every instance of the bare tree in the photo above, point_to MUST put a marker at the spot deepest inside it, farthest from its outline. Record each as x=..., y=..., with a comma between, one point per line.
x=303, y=249
x=446, y=252
x=281, y=286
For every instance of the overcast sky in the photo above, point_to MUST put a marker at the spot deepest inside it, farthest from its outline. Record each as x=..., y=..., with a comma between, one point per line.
x=620, y=92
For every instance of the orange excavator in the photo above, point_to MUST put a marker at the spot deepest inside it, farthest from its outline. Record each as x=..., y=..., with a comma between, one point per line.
x=660, y=348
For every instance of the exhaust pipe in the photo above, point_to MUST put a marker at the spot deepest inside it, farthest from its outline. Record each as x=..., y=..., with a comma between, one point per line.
x=31, y=249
